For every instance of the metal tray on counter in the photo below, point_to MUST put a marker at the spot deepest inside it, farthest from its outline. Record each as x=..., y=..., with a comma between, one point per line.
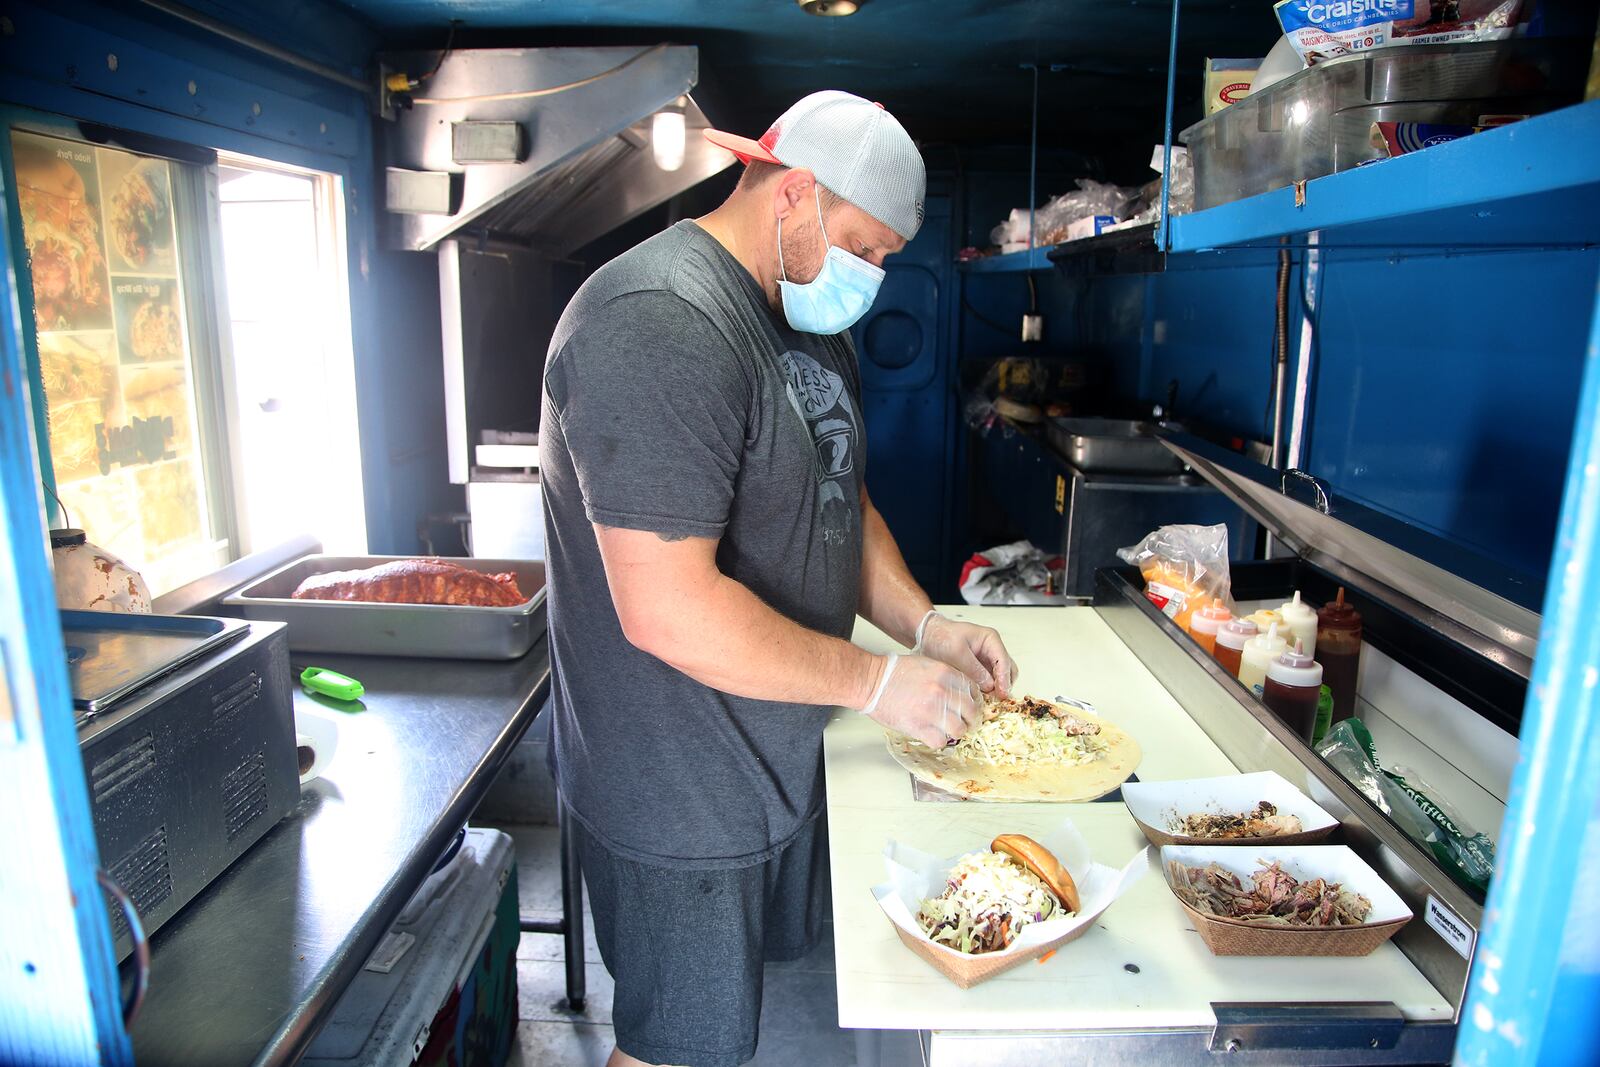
x=430, y=631
x=1111, y=446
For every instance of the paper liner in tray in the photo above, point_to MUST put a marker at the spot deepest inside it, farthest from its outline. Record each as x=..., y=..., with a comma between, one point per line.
x=1155, y=805
x=914, y=876
x=1336, y=863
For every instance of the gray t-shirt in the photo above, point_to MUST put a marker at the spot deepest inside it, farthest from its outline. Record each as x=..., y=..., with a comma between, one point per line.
x=676, y=401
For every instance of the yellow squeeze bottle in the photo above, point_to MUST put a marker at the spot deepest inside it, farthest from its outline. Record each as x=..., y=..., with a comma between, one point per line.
x=1259, y=652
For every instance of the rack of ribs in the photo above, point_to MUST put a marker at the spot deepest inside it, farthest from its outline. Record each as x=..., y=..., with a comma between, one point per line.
x=415, y=581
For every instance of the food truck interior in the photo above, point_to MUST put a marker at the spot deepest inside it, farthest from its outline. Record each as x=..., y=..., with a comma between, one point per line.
x=1186, y=355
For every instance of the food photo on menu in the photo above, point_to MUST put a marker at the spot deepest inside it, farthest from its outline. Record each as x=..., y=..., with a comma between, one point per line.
x=158, y=397
x=138, y=213
x=81, y=397
x=58, y=194
x=148, y=327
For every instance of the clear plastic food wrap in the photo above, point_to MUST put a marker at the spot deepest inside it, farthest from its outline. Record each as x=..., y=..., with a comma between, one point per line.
x=1184, y=567
x=1413, y=805
x=1051, y=220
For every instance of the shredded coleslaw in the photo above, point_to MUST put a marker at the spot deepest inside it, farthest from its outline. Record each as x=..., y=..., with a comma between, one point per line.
x=1012, y=738
x=987, y=901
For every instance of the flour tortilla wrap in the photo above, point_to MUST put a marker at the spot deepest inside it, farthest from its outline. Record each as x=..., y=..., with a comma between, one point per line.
x=1023, y=782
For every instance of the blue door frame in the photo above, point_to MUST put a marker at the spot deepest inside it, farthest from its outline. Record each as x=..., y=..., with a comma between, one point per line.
x=1535, y=985
x=59, y=999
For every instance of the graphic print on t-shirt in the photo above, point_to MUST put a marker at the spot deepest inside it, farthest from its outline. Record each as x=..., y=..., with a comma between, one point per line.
x=819, y=397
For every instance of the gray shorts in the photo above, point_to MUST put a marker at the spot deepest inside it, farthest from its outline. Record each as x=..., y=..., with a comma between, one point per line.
x=686, y=947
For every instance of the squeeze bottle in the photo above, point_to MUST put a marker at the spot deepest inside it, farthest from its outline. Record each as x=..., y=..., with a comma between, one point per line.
x=1258, y=653
x=1324, y=714
x=1265, y=618
x=1339, y=642
x=1231, y=637
x=1205, y=623
x=1294, y=682
x=1301, y=621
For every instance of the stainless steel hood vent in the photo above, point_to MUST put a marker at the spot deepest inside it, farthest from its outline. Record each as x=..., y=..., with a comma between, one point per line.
x=587, y=163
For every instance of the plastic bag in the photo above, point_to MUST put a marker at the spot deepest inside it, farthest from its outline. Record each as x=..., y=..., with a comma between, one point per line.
x=1017, y=573
x=1184, y=567
x=1411, y=803
x=1091, y=198
x=1320, y=30
x=1146, y=204
x=1051, y=220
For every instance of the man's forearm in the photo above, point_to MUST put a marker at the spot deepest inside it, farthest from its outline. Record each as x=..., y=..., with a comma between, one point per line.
x=722, y=635
x=891, y=599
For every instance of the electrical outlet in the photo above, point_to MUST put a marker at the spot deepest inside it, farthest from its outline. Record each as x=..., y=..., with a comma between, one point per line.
x=1032, y=327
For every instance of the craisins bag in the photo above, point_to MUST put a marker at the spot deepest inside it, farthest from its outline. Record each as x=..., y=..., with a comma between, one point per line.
x=1326, y=29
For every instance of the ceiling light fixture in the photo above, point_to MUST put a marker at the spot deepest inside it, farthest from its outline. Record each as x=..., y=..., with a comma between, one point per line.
x=668, y=136
x=829, y=7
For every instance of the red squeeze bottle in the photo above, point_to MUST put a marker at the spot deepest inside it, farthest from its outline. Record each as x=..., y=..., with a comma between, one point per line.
x=1339, y=651
x=1294, y=684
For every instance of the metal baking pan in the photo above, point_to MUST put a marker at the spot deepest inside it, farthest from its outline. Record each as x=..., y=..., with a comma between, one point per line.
x=111, y=654
x=1105, y=446
x=428, y=631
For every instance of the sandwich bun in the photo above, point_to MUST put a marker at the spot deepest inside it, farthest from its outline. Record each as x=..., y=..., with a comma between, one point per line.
x=1036, y=858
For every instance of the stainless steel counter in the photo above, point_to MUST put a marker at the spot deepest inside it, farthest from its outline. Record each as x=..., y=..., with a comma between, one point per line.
x=250, y=970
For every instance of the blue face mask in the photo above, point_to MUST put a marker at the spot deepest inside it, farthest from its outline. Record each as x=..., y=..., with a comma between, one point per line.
x=837, y=297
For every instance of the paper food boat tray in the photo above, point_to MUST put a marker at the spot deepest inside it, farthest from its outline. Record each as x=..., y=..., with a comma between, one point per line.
x=1152, y=804
x=914, y=876
x=967, y=971
x=1335, y=863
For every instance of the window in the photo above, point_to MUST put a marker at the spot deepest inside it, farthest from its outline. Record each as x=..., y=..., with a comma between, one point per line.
x=291, y=380
x=193, y=335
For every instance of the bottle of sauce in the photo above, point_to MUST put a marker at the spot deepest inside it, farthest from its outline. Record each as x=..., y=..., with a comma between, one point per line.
x=1294, y=683
x=1258, y=654
x=1231, y=637
x=1265, y=618
x=1301, y=623
x=1324, y=715
x=1339, y=650
x=1205, y=623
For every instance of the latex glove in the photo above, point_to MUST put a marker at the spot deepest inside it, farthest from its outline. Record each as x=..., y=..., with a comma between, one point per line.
x=976, y=651
x=924, y=699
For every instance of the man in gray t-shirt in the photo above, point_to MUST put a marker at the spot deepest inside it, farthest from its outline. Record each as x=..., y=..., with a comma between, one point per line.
x=711, y=543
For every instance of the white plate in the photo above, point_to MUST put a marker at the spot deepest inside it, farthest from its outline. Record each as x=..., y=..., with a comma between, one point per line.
x=1334, y=863
x=1157, y=805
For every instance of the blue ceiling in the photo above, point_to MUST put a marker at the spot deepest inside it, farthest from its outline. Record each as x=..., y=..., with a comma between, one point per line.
x=949, y=68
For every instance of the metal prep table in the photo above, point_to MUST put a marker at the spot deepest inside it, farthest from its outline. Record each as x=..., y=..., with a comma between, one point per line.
x=250, y=970
x=1140, y=987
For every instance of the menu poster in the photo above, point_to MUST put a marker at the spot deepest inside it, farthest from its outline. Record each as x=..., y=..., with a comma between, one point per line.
x=58, y=190
x=101, y=237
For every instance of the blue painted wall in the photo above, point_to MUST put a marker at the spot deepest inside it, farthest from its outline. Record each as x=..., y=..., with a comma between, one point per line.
x=1445, y=385
x=903, y=344
x=1444, y=392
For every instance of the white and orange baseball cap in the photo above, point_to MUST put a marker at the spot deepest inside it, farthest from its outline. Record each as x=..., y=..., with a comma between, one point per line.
x=854, y=147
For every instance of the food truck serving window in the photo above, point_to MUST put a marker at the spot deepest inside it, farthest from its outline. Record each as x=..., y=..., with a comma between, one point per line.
x=116, y=357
